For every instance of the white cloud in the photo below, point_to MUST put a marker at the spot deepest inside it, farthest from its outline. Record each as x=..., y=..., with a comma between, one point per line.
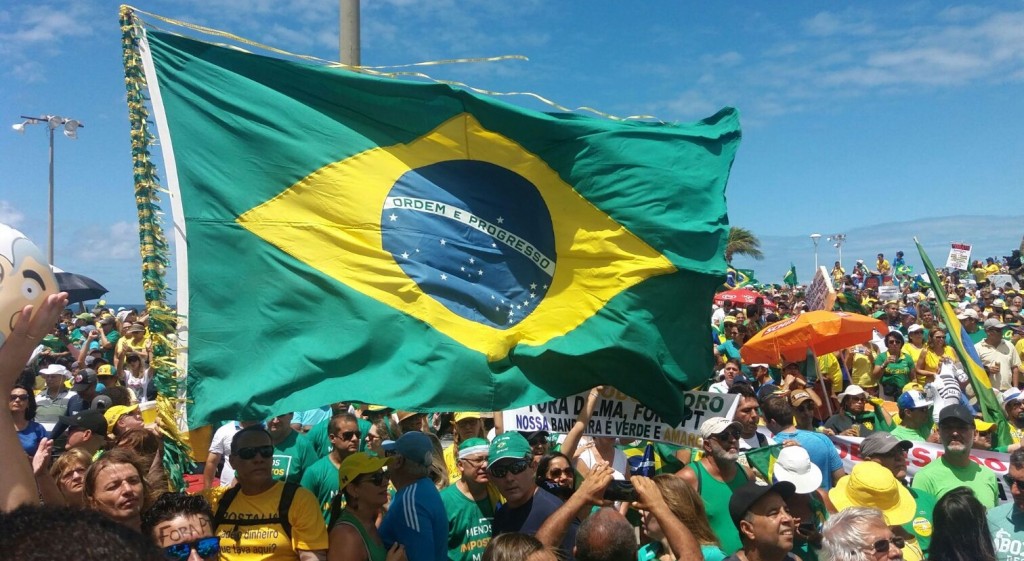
x=10, y=215
x=830, y=24
x=113, y=242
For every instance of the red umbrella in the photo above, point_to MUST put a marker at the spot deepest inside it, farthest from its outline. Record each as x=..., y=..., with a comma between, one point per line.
x=741, y=296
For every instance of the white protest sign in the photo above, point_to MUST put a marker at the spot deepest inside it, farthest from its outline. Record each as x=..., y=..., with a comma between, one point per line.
x=959, y=256
x=888, y=292
x=999, y=281
x=820, y=294
x=618, y=415
x=922, y=454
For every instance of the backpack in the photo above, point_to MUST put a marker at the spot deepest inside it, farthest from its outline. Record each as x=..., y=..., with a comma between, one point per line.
x=283, y=506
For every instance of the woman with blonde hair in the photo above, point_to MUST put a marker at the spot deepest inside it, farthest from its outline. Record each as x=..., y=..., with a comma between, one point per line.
x=935, y=354
x=116, y=487
x=69, y=472
x=688, y=507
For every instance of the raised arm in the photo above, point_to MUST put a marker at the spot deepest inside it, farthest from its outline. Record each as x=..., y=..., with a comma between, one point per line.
x=590, y=493
x=680, y=538
x=572, y=440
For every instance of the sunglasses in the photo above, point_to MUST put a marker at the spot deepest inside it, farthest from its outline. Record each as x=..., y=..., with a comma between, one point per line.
x=882, y=546
x=348, y=435
x=205, y=547
x=1010, y=482
x=555, y=473
x=538, y=441
x=515, y=468
x=19, y=397
x=894, y=342
x=734, y=433
x=379, y=478
x=251, y=451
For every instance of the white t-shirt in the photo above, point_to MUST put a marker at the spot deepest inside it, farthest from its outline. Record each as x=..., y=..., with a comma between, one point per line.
x=620, y=464
x=221, y=444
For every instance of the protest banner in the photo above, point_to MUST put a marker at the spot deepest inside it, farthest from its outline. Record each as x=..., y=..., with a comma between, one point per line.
x=820, y=294
x=619, y=415
x=1002, y=280
x=959, y=256
x=888, y=292
x=922, y=454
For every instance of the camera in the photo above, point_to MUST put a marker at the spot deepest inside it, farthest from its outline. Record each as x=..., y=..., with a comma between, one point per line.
x=619, y=490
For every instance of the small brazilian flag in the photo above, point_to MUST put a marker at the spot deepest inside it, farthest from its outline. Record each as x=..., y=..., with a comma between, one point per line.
x=763, y=460
x=790, y=278
x=352, y=237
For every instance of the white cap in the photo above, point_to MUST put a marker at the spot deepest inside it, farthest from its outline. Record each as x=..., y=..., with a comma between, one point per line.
x=915, y=327
x=55, y=369
x=716, y=425
x=851, y=391
x=968, y=313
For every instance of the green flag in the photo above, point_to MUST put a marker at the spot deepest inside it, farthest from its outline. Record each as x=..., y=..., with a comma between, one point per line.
x=351, y=237
x=976, y=373
x=763, y=459
x=790, y=278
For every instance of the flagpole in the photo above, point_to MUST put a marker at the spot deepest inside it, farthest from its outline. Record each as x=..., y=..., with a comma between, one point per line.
x=348, y=42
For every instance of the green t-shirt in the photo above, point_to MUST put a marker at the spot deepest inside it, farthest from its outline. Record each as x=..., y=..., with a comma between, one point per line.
x=921, y=525
x=1006, y=523
x=322, y=480
x=112, y=338
x=939, y=478
x=292, y=456
x=469, y=524
x=651, y=552
x=914, y=435
x=896, y=373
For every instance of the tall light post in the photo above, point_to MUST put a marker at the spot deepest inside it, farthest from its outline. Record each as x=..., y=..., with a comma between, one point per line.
x=71, y=127
x=814, y=238
x=837, y=242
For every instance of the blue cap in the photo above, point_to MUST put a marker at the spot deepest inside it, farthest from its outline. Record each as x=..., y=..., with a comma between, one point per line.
x=910, y=312
x=414, y=446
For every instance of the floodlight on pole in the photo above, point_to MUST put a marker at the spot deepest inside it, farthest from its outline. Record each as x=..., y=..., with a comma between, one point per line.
x=814, y=238
x=71, y=127
x=837, y=242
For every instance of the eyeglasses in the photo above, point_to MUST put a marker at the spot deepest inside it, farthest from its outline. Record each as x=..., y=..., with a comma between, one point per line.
x=1010, y=482
x=379, y=478
x=476, y=461
x=348, y=435
x=372, y=436
x=882, y=546
x=555, y=473
x=251, y=451
x=538, y=441
x=733, y=433
x=515, y=468
x=205, y=547
x=19, y=397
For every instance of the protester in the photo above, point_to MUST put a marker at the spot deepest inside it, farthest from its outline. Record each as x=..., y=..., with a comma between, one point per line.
x=765, y=526
x=137, y=376
x=121, y=419
x=955, y=468
x=85, y=390
x=321, y=478
x=934, y=356
x=518, y=547
x=292, y=455
x=1013, y=407
x=116, y=487
x=68, y=471
x=182, y=525
x=998, y=356
x=851, y=420
x=1006, y=521
x=86, y=430
x=915, y=417
x=512, y=470
x=860, y=534
x=687, y=508
x=353, y=530
x=779, y=418
x=891, y=453
x=218, y=455
x=961, y=530
x=555, y=474
x=416, y=518
x=804, y=408
x=33, y=533
x=465, y=425
x=468, y=504
x=872, y=485
x=894, y=368
x=23, y=413
x=261, y=514
x=795, y=466
x=52, y=402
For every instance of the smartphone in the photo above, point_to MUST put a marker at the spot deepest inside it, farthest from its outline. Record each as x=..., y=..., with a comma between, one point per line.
x=619, y=490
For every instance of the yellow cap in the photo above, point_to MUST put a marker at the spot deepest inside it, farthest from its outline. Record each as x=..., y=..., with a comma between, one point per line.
x=873, y=485
x=358, y=464
x=983, y=426
x=465, y=415
x=105, y=370
x=114, y=414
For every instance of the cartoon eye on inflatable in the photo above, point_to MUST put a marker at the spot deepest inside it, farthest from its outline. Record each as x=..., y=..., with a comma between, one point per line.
x=25, y=277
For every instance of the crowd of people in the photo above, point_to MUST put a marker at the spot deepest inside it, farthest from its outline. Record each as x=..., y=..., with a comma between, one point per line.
x=363, y=482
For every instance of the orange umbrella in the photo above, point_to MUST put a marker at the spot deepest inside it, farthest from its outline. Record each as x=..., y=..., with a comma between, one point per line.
x=821, y=331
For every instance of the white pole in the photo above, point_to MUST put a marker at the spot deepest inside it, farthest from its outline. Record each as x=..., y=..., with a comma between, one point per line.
x=349, y=39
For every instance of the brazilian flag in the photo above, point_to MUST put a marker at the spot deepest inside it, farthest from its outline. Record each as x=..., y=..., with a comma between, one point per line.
x=353, y=237
x=790, y=276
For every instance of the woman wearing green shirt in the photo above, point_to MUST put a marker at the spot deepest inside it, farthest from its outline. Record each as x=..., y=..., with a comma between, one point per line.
x=353, y=530
x=894, y=368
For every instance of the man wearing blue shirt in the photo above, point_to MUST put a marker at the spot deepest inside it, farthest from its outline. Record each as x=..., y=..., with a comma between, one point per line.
x=778, y=414
x=416, y=518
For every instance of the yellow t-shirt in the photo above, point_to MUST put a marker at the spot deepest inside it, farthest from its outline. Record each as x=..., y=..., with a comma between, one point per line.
x=861, y=374
x=992, y=269
x=914, y=352
x=1020, y=348
x=828, y=368
x=931, y=361
x=268, y=541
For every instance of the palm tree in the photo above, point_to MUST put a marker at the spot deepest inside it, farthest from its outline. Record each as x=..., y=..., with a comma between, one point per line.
x=742, y=242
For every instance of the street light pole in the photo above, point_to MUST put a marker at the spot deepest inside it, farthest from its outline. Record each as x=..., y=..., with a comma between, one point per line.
x=814, y=238
x=71, y=127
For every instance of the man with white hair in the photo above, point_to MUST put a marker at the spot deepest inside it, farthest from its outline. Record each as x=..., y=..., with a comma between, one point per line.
x=859, y=534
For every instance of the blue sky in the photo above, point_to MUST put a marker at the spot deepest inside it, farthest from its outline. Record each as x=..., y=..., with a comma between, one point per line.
x=877, y=119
